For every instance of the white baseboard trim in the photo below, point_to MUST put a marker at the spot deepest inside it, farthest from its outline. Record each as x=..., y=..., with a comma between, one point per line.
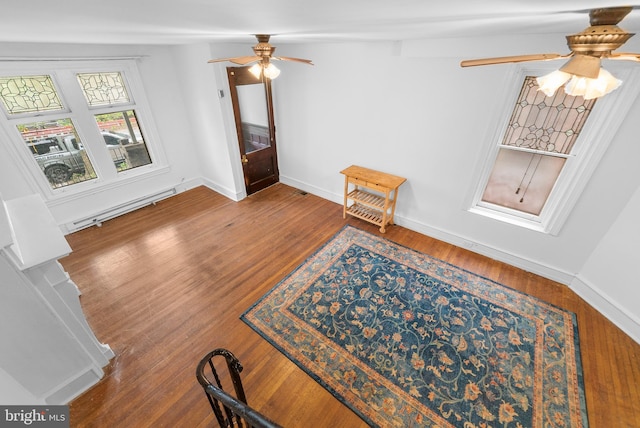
x=229, y=193
x=459, y=241
x=491, y=252
x=627, y=322
x=75, y=386
x=322, y=193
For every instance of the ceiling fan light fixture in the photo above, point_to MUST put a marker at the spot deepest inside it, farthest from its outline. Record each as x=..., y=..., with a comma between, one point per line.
x=550, y=83
x=256, y=70
x=582, y=75
x=580, y=79
x=583, y=66
x=592, y=88
x=271, y=71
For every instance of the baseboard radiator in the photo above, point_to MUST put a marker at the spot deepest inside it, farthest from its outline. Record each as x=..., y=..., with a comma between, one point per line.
x=99, y=218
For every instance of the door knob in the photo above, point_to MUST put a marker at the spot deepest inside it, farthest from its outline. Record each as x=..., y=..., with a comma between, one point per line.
x=244, y=159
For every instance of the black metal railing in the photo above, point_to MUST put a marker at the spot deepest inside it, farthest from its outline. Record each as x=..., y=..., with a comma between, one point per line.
x=229, y=411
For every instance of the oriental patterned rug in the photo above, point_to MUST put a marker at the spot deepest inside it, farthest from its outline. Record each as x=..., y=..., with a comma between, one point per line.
x=407, y=340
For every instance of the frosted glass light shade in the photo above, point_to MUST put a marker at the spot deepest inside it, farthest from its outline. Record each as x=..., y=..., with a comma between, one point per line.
x=271, y=71
x=550, y=83
x=592, y=88
x=256, y=70
x=577, y=85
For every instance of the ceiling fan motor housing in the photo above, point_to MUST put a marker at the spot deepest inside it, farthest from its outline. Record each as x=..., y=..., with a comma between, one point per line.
x=263, y=49
x=598, y=40
x=604, y=35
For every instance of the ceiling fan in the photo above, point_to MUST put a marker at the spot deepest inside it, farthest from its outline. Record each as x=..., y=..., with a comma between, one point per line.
x=583, y=70
x=263, y=55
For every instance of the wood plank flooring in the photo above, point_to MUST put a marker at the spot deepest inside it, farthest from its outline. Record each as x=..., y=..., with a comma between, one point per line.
x=167, y=283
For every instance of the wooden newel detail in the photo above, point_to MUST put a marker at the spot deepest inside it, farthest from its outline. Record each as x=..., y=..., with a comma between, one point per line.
x=373, y=197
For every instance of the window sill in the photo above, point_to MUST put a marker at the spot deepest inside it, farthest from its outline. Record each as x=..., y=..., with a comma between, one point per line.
x=532, y=223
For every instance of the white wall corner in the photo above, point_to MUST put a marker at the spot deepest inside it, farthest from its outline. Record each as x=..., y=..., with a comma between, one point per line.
x=225, y=191
x=627, y=322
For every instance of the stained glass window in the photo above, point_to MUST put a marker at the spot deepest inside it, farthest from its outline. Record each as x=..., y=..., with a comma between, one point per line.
x=538, y=140
x=29, y=94
x=103, y=88
x=548, y=124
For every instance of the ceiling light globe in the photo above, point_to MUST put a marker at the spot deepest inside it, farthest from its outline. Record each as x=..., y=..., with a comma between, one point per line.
x=271, y=71
x=256, y=70
x=592, y=88
x=550, y=83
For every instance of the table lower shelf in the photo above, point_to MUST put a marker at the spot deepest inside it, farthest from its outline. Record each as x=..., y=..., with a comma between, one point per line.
x=369, y=214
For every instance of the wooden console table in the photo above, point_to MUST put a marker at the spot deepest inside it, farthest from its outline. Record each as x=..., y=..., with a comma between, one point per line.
x=373, y=197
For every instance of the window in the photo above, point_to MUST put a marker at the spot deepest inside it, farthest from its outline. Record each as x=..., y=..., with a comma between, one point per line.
x=544, y=150
x=75, y=128
x=537, y=142
x=29, y=94
x=56, y=150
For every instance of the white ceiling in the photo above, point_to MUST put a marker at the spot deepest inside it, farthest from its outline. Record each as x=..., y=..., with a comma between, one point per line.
x=191, y=21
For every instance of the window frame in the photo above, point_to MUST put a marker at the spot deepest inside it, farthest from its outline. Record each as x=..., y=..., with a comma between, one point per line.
x=64, y=75
x=596, y=136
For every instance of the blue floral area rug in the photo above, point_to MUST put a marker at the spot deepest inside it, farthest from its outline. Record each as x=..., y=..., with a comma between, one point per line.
x=407, y=340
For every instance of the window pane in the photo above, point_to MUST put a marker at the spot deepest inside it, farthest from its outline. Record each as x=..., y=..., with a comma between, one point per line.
x=103, y=88
x=539, y=138
x=522, y=181
x=124, y=139
x=29, y=94
x=256, y=137
x=58, y=152
x=550, y=124
x=255, y=120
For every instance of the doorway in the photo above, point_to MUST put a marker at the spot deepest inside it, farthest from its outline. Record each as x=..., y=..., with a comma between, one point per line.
x=253, y=113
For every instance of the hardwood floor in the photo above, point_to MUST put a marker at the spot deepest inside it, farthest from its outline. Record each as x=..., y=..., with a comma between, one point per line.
x=166, y=284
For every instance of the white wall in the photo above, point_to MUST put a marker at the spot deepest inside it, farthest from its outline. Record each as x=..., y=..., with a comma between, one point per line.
x=214, y=143
x=364, y=104
x=31, y=331
x=11, y=392
x=609, y=276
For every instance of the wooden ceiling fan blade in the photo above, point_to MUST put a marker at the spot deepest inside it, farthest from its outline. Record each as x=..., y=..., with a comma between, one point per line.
x=286, y=58
x=240, y=60
x=624, y=56
x=508, y=59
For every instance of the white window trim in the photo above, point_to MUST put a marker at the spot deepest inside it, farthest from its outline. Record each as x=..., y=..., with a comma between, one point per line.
x=77, y=102
x=596, y=136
